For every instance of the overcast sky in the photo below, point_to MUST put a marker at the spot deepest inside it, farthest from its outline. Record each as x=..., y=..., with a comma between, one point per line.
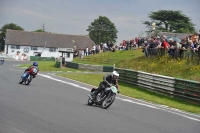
x=74, y=16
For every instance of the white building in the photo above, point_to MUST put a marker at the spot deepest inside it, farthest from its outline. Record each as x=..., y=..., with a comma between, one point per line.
x=44, y=44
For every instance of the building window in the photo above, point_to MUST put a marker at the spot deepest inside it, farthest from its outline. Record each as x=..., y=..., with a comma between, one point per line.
x=52, y=49
x=34, y=48
x=68, y=55
x=17, y=47
x=13, y=46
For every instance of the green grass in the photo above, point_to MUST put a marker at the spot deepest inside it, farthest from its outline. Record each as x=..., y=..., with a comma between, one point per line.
x=136, y=92
x=109, y=58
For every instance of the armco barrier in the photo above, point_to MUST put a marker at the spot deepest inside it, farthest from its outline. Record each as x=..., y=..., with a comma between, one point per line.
x=38, y=58
x=89, y=67
x=128, y=76
x=58, y=64
x=72, y=65
x=162, y=84
x=185, y=89
x=107, y=68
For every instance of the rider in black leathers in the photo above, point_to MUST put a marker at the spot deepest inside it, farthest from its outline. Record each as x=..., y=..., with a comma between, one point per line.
x=107, y=80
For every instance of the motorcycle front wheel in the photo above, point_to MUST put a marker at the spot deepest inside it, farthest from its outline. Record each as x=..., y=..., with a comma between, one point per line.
x=21, y=81
x=108, y=101
x=90, y=102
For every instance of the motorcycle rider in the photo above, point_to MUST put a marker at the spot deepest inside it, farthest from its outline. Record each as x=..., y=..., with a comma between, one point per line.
x=2, y=60
x=107, y=81
x=35, y=65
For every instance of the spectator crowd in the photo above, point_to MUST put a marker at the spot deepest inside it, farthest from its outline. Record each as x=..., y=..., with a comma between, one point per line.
x=169, y=43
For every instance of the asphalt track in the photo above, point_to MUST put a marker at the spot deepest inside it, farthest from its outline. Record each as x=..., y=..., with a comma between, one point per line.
x=52, y=104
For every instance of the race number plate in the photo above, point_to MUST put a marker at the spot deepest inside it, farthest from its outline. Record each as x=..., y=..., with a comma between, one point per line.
x=114, y=89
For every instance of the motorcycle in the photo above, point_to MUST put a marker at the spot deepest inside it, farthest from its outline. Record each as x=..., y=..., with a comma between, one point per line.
x=28, y=76
x=2, y=61
x=104, y=98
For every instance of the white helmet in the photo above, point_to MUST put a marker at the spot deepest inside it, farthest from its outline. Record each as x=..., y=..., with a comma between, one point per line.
x=115, y=73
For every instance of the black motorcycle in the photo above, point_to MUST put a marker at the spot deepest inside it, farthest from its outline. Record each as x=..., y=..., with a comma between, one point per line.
x=104, y=98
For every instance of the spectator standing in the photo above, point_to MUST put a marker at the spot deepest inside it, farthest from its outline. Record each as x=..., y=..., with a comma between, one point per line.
x=171, y=42
x=94, y=49
x=105, y=47
x=127, y=44
x=86, y=51
x=165, y=44
x=130, y=44
x=153, y=47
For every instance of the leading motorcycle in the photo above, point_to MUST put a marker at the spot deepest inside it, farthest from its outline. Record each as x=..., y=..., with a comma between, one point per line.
x=2, y=61
x=104, y=98
x=28, y=76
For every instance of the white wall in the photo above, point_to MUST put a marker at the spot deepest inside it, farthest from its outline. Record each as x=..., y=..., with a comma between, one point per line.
x=45, y=52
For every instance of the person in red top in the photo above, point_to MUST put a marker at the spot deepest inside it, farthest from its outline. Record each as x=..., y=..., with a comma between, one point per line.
x=133, y=40
x=165, y=44
x=136, y=40
x=124, y=42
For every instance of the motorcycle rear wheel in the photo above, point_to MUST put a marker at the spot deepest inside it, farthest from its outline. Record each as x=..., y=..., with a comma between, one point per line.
x=28, y=80
x=106, y=103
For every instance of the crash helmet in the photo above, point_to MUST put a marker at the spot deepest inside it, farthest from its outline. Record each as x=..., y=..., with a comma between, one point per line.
x=115, y=75
x=35, y=64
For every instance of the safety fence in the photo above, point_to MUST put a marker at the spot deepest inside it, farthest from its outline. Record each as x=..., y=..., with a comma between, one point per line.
x=81, y=66
x=173, y=87
x=173, y=52
x=38, y=58
x=100, y=60
x=58, y=64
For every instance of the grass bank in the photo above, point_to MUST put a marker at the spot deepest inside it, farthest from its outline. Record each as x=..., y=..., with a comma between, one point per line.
x=135, y=60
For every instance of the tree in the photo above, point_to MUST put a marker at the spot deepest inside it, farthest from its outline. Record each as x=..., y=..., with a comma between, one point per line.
x=102, y=30
x=11, y=26
x=39, y=30
x=170, y=21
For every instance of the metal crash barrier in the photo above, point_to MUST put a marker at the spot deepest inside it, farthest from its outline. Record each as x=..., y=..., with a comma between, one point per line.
x=185, y=89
